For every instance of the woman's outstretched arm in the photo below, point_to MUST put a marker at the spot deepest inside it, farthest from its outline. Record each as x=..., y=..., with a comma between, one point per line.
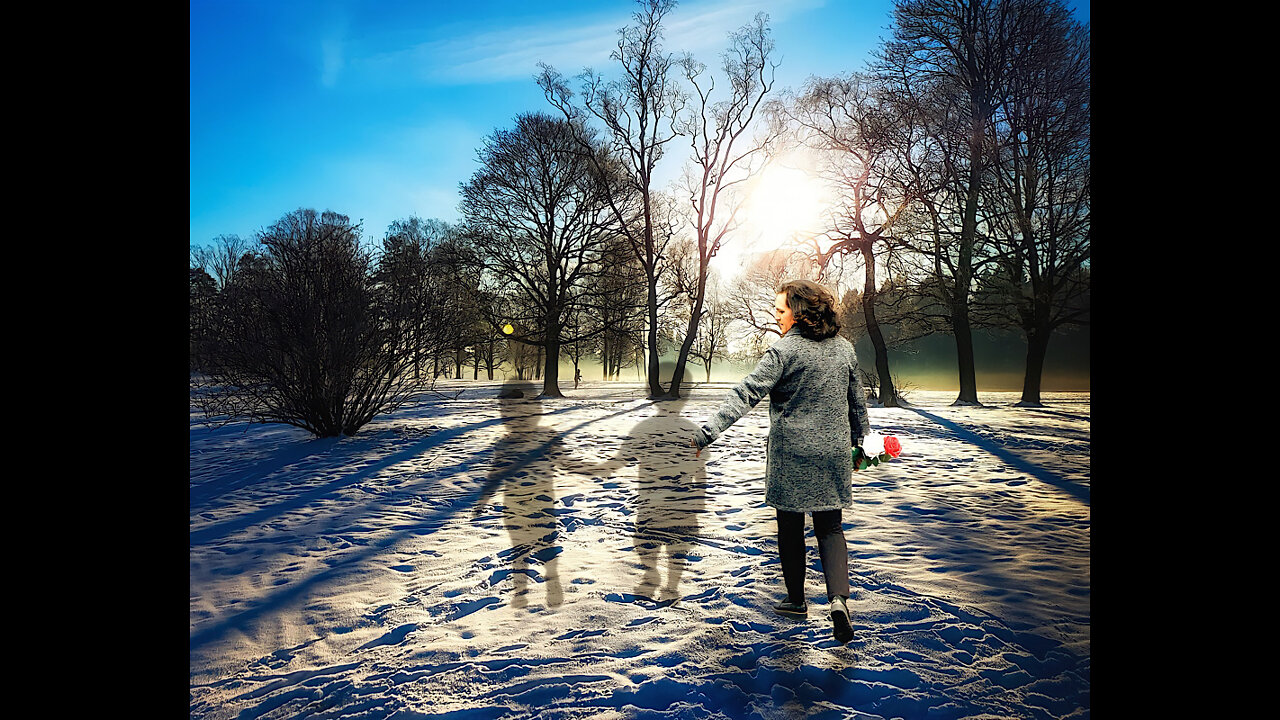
x=741, y=399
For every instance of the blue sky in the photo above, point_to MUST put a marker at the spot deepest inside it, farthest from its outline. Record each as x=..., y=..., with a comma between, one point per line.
x=375, y=109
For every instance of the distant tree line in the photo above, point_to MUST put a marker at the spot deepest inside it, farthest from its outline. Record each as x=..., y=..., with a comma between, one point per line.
x=960, y=168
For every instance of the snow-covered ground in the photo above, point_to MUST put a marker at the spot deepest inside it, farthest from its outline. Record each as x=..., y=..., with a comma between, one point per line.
x=478, y=558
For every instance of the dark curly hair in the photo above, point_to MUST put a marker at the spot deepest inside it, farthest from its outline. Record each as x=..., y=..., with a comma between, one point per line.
x=814, y=308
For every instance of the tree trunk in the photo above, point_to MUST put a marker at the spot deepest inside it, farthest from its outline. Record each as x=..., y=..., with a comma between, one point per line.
x=551, y=366
x=964, y=355
x=549, y=351
x=963, y=277
x=655, y=381
x=1037, y=349
x=604, y=354
x=683, y=358
x=888, y=393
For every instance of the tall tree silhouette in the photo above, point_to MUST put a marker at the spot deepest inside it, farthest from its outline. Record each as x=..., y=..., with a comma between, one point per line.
x=639, y=111
x=537, y=214
x=1042, y=191
x=856, y=137
x=725, y=155
x=949, y=60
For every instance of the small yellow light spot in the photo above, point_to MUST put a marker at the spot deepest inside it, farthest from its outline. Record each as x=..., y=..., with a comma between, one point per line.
x=508, y=329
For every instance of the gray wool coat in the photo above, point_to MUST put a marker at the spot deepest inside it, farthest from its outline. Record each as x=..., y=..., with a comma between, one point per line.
x=817, y=413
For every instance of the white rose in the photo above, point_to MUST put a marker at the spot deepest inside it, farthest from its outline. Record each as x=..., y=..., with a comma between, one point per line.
x=873, y=445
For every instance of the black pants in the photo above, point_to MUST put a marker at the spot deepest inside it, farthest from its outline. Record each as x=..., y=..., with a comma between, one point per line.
x=832, y=550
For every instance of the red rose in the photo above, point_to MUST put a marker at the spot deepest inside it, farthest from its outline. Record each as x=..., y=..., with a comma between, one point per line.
x=892, y=446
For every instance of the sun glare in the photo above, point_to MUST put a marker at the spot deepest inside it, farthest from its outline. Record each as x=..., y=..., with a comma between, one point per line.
x=785, y=203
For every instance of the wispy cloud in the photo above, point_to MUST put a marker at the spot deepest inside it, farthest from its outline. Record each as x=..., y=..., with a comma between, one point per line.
x=704, y=30
x=334, y=24
x=331, y=61
x=497, y=54
x=515, y=52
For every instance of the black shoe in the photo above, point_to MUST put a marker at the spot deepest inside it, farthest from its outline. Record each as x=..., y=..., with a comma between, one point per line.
x=794, y=609
x=840, y=624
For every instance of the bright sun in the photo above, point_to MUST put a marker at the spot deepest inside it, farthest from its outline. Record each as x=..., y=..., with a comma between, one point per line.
x=785, y=202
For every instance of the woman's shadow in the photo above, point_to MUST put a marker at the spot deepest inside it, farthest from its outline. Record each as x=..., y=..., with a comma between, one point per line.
x=670, y=494
x=528, y=495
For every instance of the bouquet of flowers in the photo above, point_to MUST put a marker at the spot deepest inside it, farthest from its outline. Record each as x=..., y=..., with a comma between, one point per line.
x=874, y=450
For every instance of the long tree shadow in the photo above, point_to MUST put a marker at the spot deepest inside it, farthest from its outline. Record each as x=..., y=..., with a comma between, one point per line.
x=1026, y=574
x=1058, y=413
x=670, y=494
x=1010, y=595
x=202, y=495
x=430, y=520
x=269, y=511
x=1044, y=475
x=290, y=454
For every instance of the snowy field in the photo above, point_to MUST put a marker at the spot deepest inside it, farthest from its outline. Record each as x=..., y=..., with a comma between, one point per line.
x=478, y=558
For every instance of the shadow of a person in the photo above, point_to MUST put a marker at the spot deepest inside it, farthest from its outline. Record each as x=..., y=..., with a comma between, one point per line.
x=528, y=495
x=505, y=451
x=671, y=493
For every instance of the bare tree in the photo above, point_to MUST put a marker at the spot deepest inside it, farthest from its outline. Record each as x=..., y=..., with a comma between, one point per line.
x=621, y=307
x=487, y=350
x=523, y=358
x=537, y=212
x=713, y=330
x=303, y=333
x=724, y=155
x=919, y=259
x=1041, y=199
x=221, y=258
x=456, y=276
x=487, y=340
x=202, y=307
x=408, y=276
x=855, y=135
x=677, y=279
x=639, y=111
x=948, y=62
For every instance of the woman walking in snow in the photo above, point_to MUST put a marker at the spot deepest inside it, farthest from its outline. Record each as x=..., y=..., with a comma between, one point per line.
x=817, y=414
